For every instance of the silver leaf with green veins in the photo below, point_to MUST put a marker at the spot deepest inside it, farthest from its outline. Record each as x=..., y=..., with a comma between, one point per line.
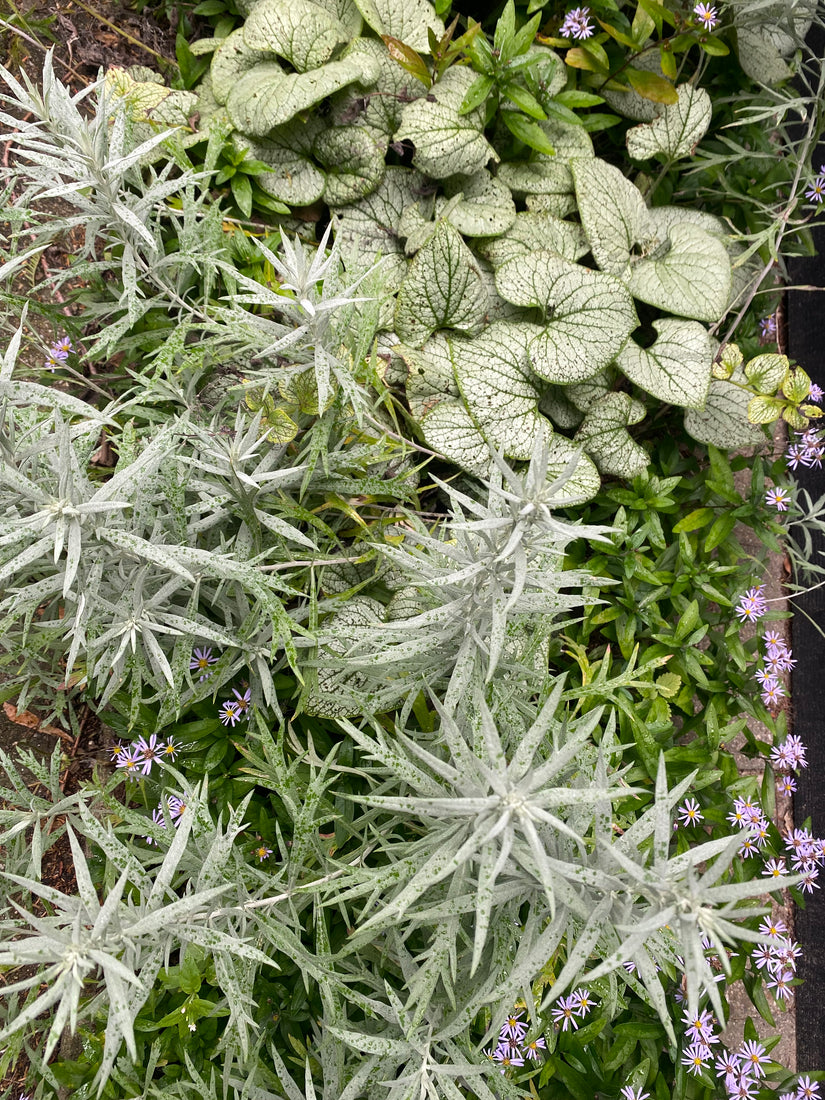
x=612, y=211
x=677, y=131
x=446, y=143
x=407, y=21
x=298, y=30
x=354, y=161
x=533, y=230
x=591, y=314
x=231, y=60
x=693, y=279
x=723, y=421
x=494, y=379
x=486, y=207
x=676, y=368
x=443, y=289
x=604, y=435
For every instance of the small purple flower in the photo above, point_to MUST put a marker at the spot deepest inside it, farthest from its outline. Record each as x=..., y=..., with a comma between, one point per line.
x=582, y=1001
x=170, y=749
x=54, y=359
x=243, y=701
x=507, y=1055
x=690, y=814
x=176, y=808
x=229, y=713
x=775, y=867
x=816, y=192
x=201, y=660
x=753, y=604
x=754, y=1057
x=158, y=819
x=779, y=498
x=629, y=1093
x=767, y=328
x=62, y=347
x=696, y=1057
x=564, y=1014
x=773, y=928
x=787, y=784
x=700, y=1028
x=707, y=16
x=149, y=751
x=263, y=852
x=514, y=1028
x=807, y=1089
x=772, y=692
x=577, y=24
x=531, y=1049
x=815, y=394
x=780, y=984
x=130, y=760
x=727, y=1066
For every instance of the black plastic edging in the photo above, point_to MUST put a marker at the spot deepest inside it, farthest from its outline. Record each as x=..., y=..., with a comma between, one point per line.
x=806, y=344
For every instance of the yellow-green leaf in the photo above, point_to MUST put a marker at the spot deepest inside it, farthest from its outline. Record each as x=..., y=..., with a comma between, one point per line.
x=652, y=86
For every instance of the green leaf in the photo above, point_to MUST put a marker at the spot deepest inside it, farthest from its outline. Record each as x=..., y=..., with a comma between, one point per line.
x=695, y=520
x=303, y=33
x=527, y=131
x=677, y=131
x=796, y=386
x=446, y=142
x=408, y=58
x=693, y=278
x=714, y=47
x=476, y=94
x=292, y=177
x=486, y=207
x=354, y=161
x=408, y=22
x=576, y=97
x=764, y=410
x=590, y=314
x=767, y=372
x=652, y=86
x=494, y=381
x=231, y=60
x=612, y=211
x=443, y=289
x=367, y=229
x=266, y=96
x=522, y=99
x=532, y=231
x=603, y=434
x=242, y=193
x=676, y=368
x=435, y=402
x=723, y=421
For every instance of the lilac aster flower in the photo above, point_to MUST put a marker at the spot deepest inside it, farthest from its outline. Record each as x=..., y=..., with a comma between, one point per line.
x=744, y=1087
x=696, y=1057
x=753, y=604
x=754, y=1057
x=700, y=1028
x=690, y=813
x=577, y=24
x=727, y=1066
x=815, y=394
x=706, y=14
x=564, y=1014
x=807, y=1089
x=775, y=867
x=229, y=713
x=130, y=760
x=772, y=692
x=531, y=1049
x=201, y=660
x=54, y=359
x=775, y=928
x=629, y=1093
x=507, y=1055
x=809, y=883
x=816, y=192
x=149, y=751
x=243, y=701
x=767, y=328
x=62, y=347
x=514, y=1027
x=778, y=498
x=176, y=808
x=263, y=852
x=780, y=985
x=170, y=749
x=582, y=1001
x=787, y=784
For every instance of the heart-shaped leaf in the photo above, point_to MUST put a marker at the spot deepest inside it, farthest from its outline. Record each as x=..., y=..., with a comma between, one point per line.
x=266, y=96
x=294, y=178
x=605, y=437
x=677, y=131
x=408, y=21
x=612, y=211
x=495, y=383
x=590, y=314
x=446, y=143
x=354, y=161
x=723, y=421
x=368, y=229
x=231, y=60
x=692, y=279
x=541, y=176
x=486, y=207
x=382, y=109
x=532, y=230
x=676, y=368
x=443, y=289
x=302, y=32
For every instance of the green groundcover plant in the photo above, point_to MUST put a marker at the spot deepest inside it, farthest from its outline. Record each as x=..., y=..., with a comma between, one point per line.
x=396, y=541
